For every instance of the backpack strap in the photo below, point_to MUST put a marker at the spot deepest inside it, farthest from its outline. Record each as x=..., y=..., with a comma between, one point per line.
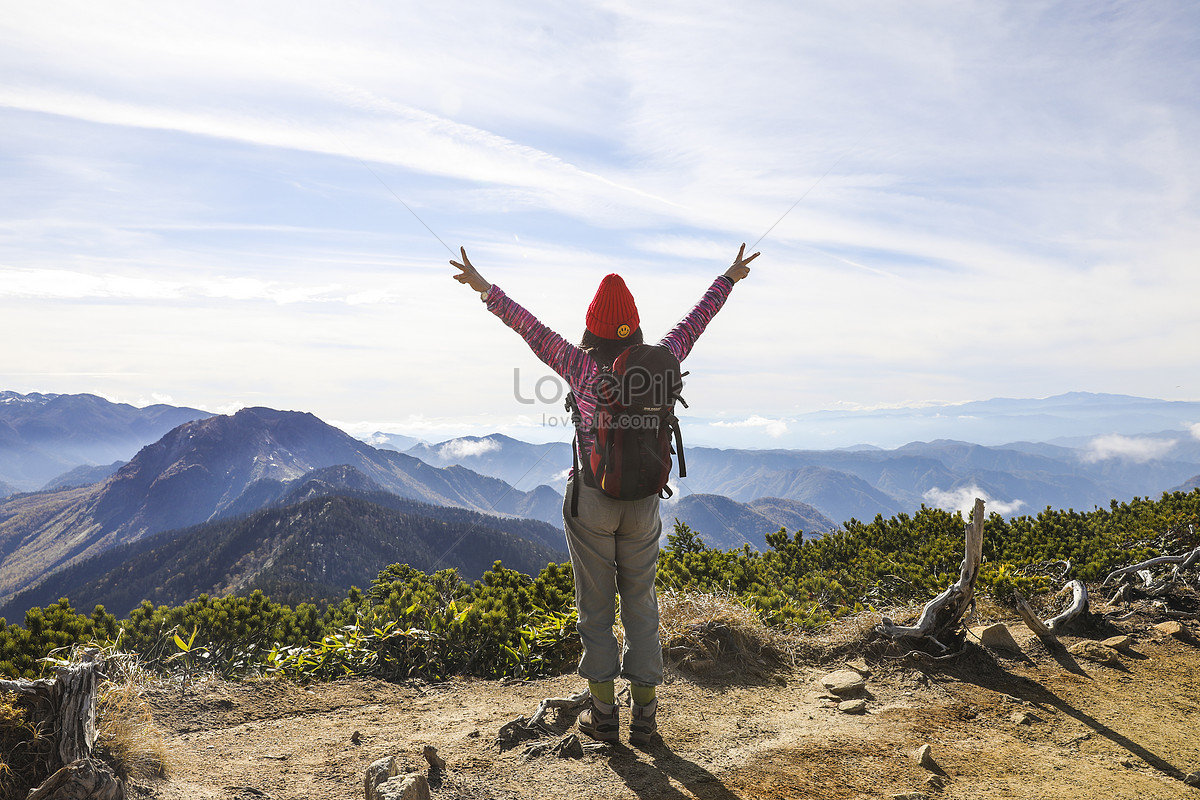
x=576, y=475
x=679, y=446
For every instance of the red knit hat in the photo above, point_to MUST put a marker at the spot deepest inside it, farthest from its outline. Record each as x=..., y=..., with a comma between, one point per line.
x=612, y=314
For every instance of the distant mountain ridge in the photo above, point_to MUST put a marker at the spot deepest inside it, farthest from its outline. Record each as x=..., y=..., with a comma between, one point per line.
x=727, y=524
x=861, y=483
x=512, y=460
x=1065, y=419
x=45, y=435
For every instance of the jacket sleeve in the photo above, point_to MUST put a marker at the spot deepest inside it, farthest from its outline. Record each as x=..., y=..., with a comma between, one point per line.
x=553, y=350
x=683, y=336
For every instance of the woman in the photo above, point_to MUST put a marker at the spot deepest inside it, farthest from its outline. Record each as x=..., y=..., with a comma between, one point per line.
x=613, y=543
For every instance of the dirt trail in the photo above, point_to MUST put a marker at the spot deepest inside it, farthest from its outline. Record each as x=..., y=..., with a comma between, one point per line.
x=1039, y=724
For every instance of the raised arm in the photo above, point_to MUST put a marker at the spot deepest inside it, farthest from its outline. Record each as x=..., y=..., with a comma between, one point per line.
x=556, y=352
x=683, y=336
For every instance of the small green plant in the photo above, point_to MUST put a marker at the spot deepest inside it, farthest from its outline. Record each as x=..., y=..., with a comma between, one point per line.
x=189, y=657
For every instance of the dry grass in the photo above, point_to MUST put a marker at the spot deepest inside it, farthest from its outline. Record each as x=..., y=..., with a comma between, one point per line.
x=129, y=738
x=716, y=635
x=24, y=752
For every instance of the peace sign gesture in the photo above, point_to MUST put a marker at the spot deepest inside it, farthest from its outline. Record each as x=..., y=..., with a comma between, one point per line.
x=739, y=269
x=469, y=274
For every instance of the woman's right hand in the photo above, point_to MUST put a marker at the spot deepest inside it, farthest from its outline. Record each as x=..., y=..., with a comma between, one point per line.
x=739, y=269
x=470, y=275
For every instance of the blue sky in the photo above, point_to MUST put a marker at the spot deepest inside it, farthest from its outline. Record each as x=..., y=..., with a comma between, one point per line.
x=205, y=204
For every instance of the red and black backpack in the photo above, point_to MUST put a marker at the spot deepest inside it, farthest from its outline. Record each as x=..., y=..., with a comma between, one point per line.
x=634, y=427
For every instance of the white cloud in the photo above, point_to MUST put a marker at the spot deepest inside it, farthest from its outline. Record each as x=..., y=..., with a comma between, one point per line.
x=963, y=499
x=1195, y=430
x=465, y=448
x=225, y=408
x=51, y=284
x=156, y=398
x=775, y=428
x=1130, y=448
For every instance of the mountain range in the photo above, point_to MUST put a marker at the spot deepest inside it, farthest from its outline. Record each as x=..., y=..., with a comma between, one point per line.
x=223, y=466
x=860, y=483
x=331, y=531
x=94, y=510
x=1069, y=419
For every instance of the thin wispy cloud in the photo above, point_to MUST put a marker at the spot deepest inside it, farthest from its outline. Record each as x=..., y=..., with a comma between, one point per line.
x=68, y=285
x=466, y=448
x=1140, y=450
x=773, y=427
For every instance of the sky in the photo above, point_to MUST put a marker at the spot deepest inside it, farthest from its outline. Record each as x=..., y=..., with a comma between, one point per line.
x=224, y=204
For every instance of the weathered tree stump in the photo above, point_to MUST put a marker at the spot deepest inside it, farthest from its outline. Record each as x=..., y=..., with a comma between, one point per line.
x=84, y=779
x=67, y=706
x=942, y=615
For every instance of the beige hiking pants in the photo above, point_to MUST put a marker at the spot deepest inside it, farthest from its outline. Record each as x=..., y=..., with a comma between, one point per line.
x=614, y=550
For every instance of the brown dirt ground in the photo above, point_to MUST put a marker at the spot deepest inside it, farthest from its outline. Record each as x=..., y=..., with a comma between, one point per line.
x=1130, y=730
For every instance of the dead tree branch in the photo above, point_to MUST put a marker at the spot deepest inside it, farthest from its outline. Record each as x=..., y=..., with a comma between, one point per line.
x=943, y=613
x=558, y=703
x=521, y=728
x=1053, y=626
x=1184, y=561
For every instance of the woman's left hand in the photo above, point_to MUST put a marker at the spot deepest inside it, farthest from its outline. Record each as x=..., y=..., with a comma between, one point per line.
x=470, y=275
x=739, y=269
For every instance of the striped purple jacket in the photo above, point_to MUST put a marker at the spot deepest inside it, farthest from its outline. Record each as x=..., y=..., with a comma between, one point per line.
x=578, y=368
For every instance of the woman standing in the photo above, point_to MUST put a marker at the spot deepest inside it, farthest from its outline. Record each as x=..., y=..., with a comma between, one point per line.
x=613, y=543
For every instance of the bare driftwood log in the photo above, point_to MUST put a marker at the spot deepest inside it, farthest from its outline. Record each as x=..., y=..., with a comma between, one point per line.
x=1184, y=561
x=943, y=613
x=68, y=705
x=1051, y=627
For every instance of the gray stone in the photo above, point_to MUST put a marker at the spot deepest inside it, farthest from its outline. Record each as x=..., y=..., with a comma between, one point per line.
x=1121, y=642
x=431, y=755
x=996, y=637
x=853, y=706
x=1024, y=718
x=1176, y=629
x=1192, y=779
x=377, y=773
x=924, y=757
x=843, y=682
x=1094, y=651
x=413, y=786
x=859, y=665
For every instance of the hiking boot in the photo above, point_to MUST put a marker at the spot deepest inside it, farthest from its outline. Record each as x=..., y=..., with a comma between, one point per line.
x=602, y=725
x=643, y=727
